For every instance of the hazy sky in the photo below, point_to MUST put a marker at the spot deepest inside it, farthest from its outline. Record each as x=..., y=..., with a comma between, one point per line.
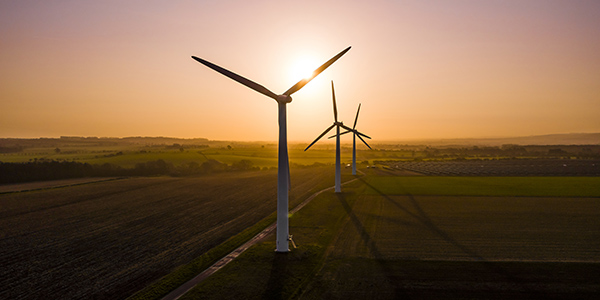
x=421, y=69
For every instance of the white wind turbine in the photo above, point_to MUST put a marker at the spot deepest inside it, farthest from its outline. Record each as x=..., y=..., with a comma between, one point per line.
x=283, y=175
x=355, y=133
x=338, y=176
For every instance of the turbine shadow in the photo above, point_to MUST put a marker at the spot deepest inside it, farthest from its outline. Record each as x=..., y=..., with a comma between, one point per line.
x=426, y=221
x=364, y=235
x=275, y=286
x=370, y=243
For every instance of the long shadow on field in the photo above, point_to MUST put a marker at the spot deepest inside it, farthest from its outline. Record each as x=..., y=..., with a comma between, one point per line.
x=424, y=219
x=366, y=238
x=277, y=278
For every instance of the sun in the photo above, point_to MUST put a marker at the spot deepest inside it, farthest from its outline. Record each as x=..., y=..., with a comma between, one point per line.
x=302, y=68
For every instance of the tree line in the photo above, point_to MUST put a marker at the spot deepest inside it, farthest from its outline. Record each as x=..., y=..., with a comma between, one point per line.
x=40, y=170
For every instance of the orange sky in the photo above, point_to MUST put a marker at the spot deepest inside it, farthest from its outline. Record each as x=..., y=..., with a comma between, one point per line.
x=421, y=69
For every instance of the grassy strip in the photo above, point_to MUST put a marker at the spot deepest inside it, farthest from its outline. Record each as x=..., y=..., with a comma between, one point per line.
x=261, y=273
x=186, y=272
x=362, y=278
x=486, y=186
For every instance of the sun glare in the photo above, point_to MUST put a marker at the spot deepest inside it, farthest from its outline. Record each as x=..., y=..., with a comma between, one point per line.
x=302, y=68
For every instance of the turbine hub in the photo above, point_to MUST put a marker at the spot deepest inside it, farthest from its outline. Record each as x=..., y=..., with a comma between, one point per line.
x=338, y=123
x=284, y=98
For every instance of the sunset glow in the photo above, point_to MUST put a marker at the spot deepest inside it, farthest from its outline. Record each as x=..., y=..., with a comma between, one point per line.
x=303, y=68
x=421, y=69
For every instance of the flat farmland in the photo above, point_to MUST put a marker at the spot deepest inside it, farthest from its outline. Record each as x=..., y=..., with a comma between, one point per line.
x=107, y=240
x=371, y=243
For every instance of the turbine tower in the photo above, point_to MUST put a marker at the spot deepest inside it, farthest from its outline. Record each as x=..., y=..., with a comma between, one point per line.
x=338, y=169
x=356, y=133
x=283, y=172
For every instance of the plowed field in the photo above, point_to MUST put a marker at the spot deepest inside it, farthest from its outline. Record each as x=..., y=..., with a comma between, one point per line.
x=107, y=240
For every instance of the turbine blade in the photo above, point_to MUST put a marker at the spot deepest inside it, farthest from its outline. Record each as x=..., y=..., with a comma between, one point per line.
x=356, y=119
x=316, y=72
x=247, y=82
x=346, y=127
x=340, y=134
x=334, y=105
x=360, y=133
x=320, y=136
x=364, y=141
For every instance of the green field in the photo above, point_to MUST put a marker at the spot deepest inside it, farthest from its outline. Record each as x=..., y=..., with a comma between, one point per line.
x=485, y=186
x=388, y=235
x=367, y=244
x=129, y=156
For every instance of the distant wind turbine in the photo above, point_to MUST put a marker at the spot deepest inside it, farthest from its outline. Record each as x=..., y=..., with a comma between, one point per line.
x=283, y=175
x=355, y=133
x=338, y=176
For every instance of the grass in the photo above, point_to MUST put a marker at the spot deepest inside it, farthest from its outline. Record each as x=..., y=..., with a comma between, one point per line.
x=260, y=273
x=364, y=244
x=486, y=186
x=361, y=278
x=130, y=156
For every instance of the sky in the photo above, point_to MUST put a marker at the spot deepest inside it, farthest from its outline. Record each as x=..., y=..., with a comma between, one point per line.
x=421, y=69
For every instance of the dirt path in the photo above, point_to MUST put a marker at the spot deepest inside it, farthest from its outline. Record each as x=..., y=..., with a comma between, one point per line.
x=180, y=291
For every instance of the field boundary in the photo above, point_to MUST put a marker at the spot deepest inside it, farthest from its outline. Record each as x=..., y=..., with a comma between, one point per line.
x=187, y=286
x=50, y=187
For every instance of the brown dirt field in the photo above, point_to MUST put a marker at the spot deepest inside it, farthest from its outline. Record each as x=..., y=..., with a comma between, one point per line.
x=107, y=240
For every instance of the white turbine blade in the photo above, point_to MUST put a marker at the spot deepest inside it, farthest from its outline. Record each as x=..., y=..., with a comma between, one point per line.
x=360, y=133
x=346, y=127
x=320, y=136
x=334, y=105
x=247, y=82
x=340, y=134
x=316, y=72
x=364, y=141
x=356, y=119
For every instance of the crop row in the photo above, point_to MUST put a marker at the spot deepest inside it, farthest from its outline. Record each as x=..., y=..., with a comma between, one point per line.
x=108, y=240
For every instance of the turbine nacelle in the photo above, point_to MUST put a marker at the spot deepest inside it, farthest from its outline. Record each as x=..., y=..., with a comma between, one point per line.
x=338, y=123
x=284, y=98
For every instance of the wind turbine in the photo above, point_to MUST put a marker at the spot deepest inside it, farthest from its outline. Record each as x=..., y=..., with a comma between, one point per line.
x=283, y=175
x=355, y=133
x=338, y=176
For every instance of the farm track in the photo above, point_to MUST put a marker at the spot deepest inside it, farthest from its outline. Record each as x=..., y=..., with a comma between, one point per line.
x=107, y=240
x=183, y=289
x=366, y=244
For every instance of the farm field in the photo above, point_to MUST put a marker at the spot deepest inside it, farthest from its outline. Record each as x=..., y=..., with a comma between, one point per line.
x=377, y=242
x=49, y=184
x=127, y=156
x=533, y=167
x=107, y=240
